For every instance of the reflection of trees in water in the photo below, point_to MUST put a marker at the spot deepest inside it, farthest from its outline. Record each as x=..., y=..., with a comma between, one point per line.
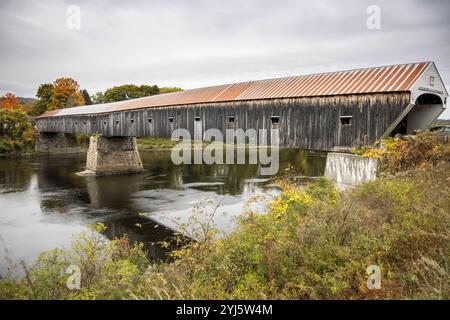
x=59, y=172
x=308, y=163
x=142, y=229
x=233, y=176
x=15, y=174
x=158, y=163
x=64, y=191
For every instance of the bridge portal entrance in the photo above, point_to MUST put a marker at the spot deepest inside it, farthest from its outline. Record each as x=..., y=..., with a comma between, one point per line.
x=420, y=115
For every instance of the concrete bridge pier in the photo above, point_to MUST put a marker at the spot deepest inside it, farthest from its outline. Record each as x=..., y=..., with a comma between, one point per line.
x=115, y=155
x=57, y=143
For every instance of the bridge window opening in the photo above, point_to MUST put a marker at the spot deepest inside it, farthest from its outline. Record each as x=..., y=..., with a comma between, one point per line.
x=275, y=119
x=76, y=123
x=104, y=123
x=231, y=119
x=346, y=121
x=432, y=79
x=132, y=121
x=93, y=122
x=149, y=120
x=117, y=121
x=84, y=122
x=197, y=118
x=171, y=119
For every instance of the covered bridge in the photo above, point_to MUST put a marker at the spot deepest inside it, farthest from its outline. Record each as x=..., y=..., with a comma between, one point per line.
x=326, y=111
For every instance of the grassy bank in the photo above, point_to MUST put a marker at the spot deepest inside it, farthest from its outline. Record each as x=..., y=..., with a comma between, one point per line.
x=314, y=243
x=159, y=143
x=155, y=143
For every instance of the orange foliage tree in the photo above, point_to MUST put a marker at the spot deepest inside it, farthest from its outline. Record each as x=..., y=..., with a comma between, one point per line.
x=9, y=101
x=65, y=94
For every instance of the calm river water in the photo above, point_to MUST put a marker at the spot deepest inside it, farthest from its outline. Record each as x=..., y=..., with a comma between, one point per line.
x=43, y=202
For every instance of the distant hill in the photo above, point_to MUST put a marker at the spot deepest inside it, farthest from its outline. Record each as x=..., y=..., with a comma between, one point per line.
x=24, y=101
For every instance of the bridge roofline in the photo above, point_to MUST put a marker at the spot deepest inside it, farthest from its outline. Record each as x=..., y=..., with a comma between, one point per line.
x=384, y=79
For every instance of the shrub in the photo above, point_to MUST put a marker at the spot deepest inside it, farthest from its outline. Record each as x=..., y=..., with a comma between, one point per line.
x=313, y=243
x=320, y=245
x=108, y=269
x=16, y=132
x=396, y=154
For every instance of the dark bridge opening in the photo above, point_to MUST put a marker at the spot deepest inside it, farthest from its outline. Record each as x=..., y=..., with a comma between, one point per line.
x=426, y=109
x=401, y=128
x=428, y=98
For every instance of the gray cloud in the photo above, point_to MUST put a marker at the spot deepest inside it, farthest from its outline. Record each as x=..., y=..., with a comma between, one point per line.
x=205, y=42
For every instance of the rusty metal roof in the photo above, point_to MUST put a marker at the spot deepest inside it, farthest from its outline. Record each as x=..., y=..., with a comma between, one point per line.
x=371, y=80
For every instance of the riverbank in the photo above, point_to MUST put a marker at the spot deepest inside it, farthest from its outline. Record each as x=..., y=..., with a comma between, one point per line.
x=313, y=243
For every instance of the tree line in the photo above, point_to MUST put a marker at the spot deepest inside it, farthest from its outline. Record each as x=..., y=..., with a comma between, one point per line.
x=16, y=114
x=66, y=93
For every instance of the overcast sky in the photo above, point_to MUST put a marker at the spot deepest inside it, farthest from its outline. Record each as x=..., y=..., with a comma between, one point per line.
x=195, y=43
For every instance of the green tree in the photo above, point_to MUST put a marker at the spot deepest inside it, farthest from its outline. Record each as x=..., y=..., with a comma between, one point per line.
x=16, y=132
x=99, y=97
x=86, y=97
x=129, y=91
x=146, y=90
x=44, y=94
x=169, y=89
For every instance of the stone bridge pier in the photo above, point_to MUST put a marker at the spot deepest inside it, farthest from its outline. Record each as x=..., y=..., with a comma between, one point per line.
x=105, y=155
x=57, y=143
x=115, y=155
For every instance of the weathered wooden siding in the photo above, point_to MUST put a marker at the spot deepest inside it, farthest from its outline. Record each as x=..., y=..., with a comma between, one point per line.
x=309, y=123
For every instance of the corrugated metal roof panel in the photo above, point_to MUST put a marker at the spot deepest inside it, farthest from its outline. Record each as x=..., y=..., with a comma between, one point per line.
x=370, y=80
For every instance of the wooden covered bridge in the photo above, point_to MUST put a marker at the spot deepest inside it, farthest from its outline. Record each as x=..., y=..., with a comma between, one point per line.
x=328, y=111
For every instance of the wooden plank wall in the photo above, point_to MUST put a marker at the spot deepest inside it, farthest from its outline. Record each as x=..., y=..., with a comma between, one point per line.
x=312, y=123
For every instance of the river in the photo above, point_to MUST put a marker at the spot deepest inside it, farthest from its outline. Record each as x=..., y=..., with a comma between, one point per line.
x=44, y=203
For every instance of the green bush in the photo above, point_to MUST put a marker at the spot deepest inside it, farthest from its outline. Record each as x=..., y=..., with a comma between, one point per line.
x=16, y=132
x=108, y=270
x=313, y=243
x=396, y=154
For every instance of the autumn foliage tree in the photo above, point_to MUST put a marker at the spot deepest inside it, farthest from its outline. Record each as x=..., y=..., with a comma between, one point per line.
x=9, y=101
x=65, y=94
